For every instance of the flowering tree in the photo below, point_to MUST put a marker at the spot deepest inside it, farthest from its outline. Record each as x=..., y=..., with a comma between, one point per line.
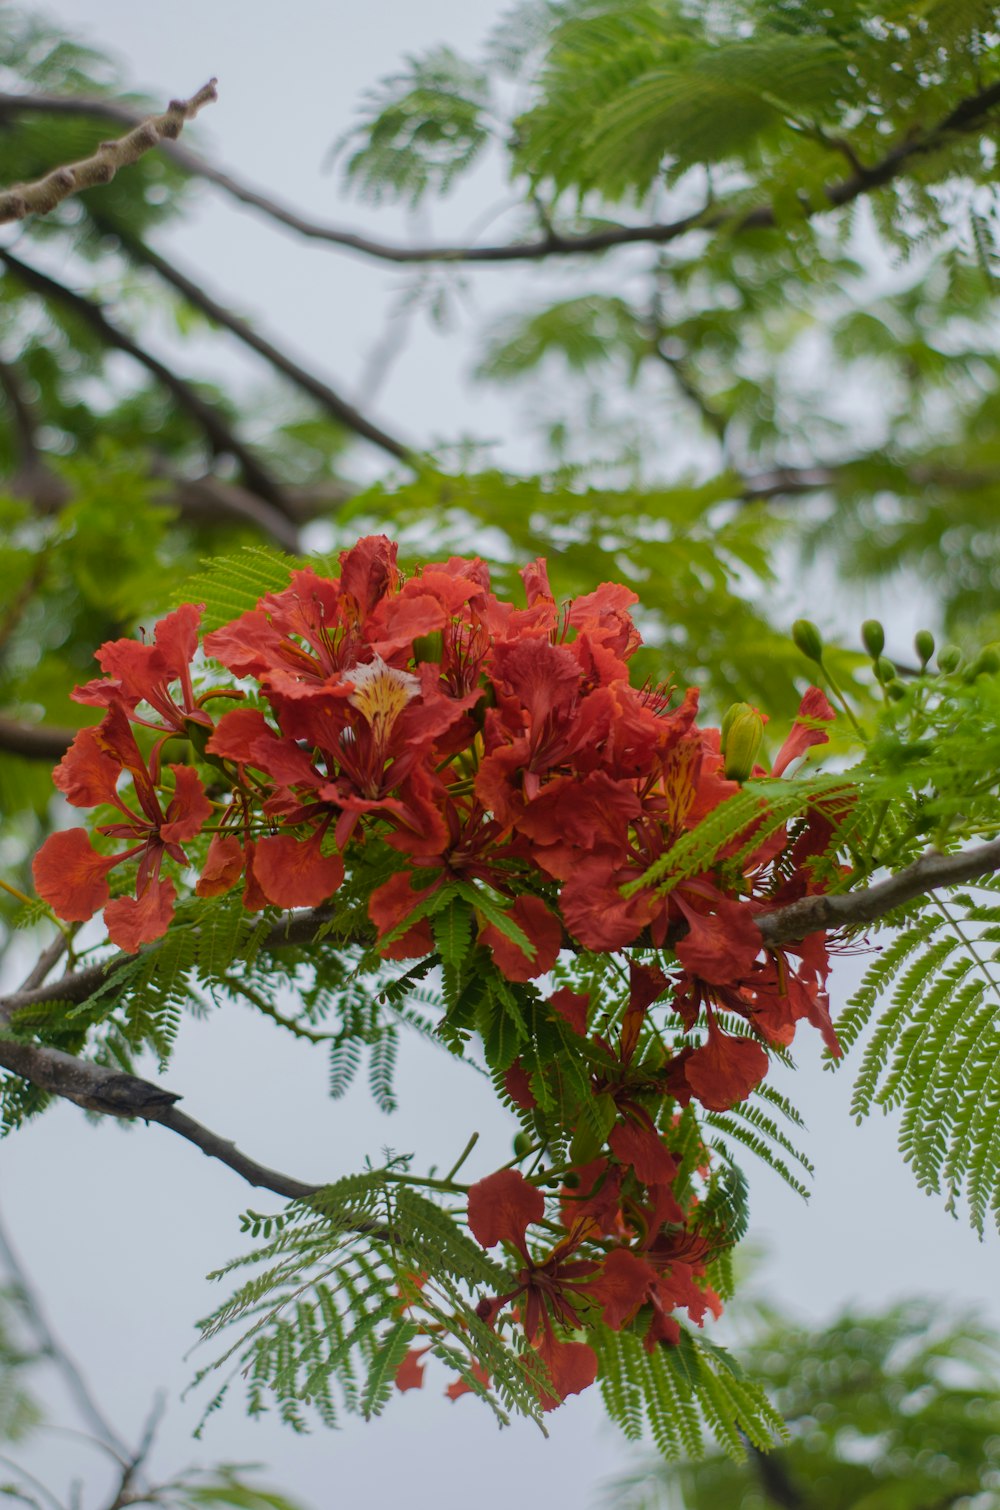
x=422, y=801
x=402, y=779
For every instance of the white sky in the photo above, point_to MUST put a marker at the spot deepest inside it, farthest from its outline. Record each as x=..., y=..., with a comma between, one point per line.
x=119, y=1227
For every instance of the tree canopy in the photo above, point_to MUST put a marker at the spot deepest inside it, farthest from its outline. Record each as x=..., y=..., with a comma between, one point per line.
x=395, y=791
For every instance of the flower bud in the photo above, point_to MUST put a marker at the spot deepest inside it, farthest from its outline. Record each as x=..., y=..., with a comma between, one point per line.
x=873, y=638
x=429, y=647
x=885, y=670
x=923, y=640
x=949, y=659
x=571, y=1180
x=742, y=734
x=808, y=639
x=895, y=690
x=986, y=663
x=523, y=1144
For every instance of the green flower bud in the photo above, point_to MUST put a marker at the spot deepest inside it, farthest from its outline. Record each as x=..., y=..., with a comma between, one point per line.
x=895, y=690
x=429, y=647
x=742, y=734
x=986, y=663
x=923, y=641
x=523, y=1144
x=949, y=659
x=808, y=639
x=873, y=638
x=571, y=1180
x=884, y=670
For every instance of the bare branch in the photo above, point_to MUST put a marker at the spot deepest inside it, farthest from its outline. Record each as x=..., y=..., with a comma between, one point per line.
x=851, y=909
x=215, y=427
x=969, y=115
x=337, y=407
x=33, y=478
x=116, y=1094
x=45, y=193
x=35, y=741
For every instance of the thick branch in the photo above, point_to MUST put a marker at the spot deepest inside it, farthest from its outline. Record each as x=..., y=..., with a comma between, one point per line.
x=45, y=193
x=337, y=407
x=115, y=1094
x=851, y=909
x=35, y=741
x=967, y=116
x=216, y=429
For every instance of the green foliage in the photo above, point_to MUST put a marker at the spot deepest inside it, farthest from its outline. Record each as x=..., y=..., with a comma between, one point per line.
x=339, y=1295
x=419, y=131
x=232, y=584
x=896, y=1408
x=679, y=1394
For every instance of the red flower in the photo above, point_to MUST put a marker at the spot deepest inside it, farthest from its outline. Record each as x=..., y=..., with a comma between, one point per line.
x=144, y=673
x=543, y=930
x=69, y=874
x=724, y=1070
x=807, y=730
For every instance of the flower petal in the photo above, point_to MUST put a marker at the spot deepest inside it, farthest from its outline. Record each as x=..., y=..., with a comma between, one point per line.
x=133, y=921
x=294, y=872
x=502, y=1207
x=71, y=876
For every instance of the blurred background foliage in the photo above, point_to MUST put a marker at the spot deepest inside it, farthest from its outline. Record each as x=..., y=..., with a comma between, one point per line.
x=890, y=1410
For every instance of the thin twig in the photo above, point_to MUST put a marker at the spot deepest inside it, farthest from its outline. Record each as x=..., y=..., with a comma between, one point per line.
x=57, y=1352
x=332, y=402
x=968, y=115
x=217, y=430
x=46, y=961
x=44, y=194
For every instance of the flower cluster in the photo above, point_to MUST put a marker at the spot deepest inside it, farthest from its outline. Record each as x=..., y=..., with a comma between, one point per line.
x=493, y=751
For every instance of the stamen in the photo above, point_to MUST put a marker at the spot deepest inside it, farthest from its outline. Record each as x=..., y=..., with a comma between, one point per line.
x=381, y=693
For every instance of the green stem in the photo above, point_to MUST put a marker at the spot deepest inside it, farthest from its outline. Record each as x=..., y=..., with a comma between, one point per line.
x=838, y=694
x=453, y=1171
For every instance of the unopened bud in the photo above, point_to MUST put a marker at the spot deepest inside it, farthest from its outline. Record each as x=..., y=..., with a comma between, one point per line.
x=895, y=690
x=873, y=638
x=523, y=1144
x=923, y=641
x=885, y=670
x=986, y=663
x=429, y=647
x=571, y=1180
x=949, y=659
x=742, y=734
x=808, y=639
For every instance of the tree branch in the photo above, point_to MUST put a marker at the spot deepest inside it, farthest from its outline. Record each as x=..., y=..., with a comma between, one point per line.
x=113, y=1093
x=851, y=909
x=45, y=193
x=35, y=741
x=57, y=1353
x=216, y=429
x=337, y=407
x=967, y=116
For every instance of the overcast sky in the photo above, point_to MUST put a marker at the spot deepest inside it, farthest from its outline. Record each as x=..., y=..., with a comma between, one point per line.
x=119, y=1227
